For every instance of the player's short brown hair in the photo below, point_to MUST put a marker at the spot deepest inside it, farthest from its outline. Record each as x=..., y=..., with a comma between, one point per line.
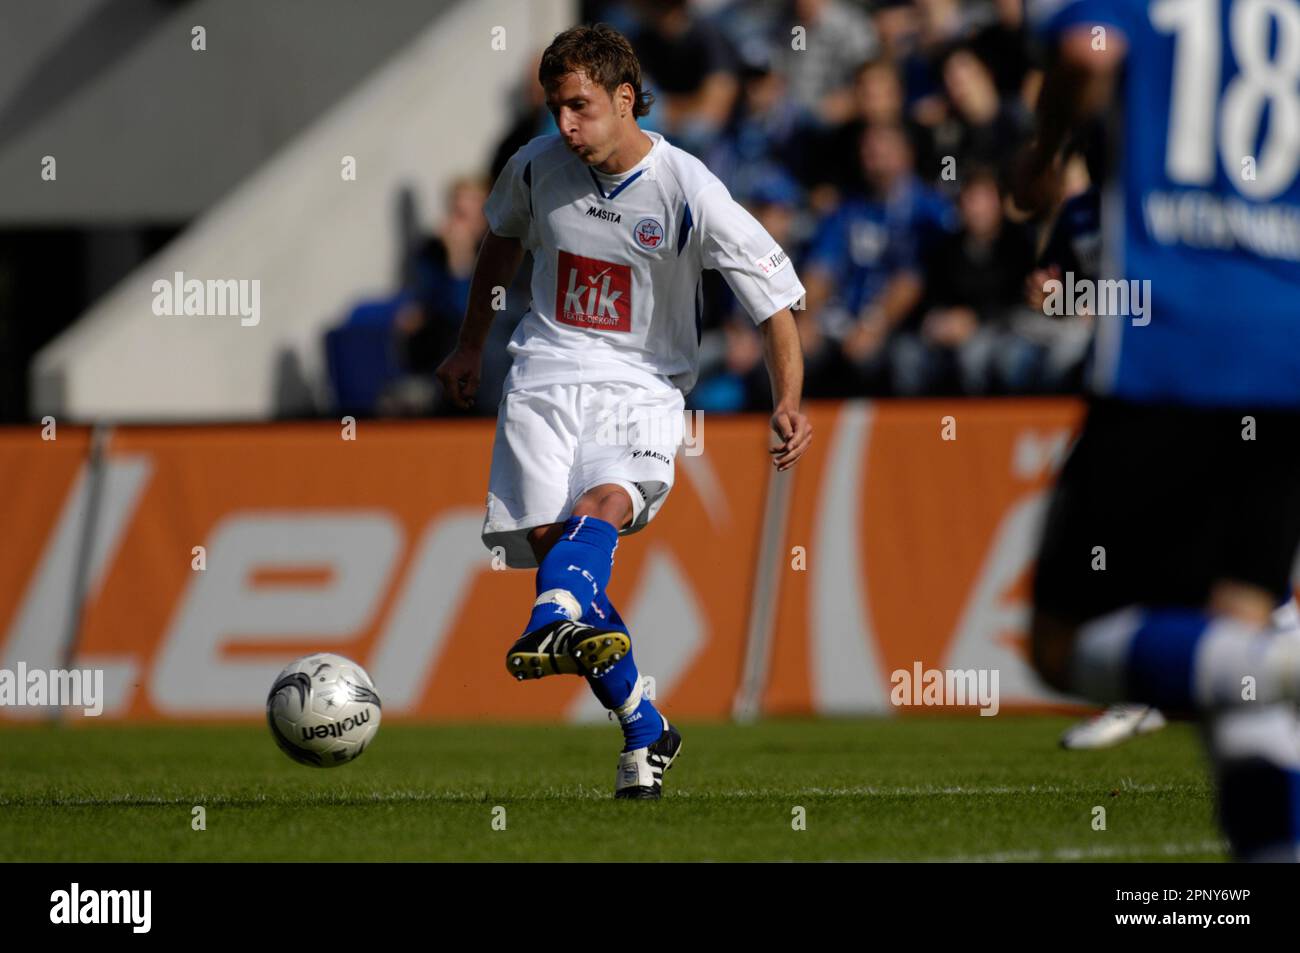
x=603, y=54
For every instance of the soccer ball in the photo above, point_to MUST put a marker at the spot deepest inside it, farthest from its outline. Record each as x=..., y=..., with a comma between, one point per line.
x=323, y=710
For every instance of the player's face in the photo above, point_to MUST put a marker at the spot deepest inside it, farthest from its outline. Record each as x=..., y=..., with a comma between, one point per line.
x=586, y=116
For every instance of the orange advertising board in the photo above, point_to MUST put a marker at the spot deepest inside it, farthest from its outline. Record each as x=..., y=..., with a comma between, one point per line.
x=229, y=551
x=219, y=553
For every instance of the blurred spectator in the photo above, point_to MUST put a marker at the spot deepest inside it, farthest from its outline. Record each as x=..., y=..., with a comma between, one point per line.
x=532, y=119
x=974, y=281
x=863, y=272
x=935, y=28
x=693, y=69
x=444, y=264
x=1003, y=46
x=733, y=376
x=877, y=100
x=978, y=127
x=843, y=139
x=897, y=24
x=381, y=359
x=768, y=134
x=837, y=38
x=1073, y=245
x=361, y=355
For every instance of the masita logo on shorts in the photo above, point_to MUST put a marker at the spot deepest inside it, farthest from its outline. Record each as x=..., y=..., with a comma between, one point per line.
x=131, y=907
x=653, y=455
x=590, y=293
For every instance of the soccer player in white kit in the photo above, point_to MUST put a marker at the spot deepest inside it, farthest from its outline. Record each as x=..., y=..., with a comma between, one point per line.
x=620, y=224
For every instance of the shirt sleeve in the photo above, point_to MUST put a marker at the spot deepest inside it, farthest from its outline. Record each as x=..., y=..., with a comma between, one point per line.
x=508, y=209
x=756, y=268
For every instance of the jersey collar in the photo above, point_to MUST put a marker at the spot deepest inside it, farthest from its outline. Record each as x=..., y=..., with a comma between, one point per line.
x=618, y=188
x=646, y=162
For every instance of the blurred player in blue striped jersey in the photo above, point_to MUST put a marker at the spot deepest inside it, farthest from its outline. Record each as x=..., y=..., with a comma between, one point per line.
x=1073, y=245
x=1174, y=526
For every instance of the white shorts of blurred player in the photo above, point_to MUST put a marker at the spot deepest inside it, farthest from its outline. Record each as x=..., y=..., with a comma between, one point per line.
x=555, y=442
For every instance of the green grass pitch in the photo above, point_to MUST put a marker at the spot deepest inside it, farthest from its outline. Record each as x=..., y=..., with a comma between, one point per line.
x=920, y=788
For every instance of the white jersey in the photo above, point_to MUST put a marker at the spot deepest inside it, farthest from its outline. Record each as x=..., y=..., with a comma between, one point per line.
x=617, y=262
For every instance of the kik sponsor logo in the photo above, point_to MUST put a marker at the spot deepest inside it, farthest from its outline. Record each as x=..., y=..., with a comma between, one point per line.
x=590, y=293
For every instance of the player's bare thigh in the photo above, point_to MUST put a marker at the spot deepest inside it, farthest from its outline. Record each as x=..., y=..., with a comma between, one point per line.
x=608, y=502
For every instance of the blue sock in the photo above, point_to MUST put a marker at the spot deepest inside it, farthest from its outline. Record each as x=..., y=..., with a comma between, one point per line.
x=1162, y=658
x=642, y=725
x=602, y=614
x=1181, y=660
x=1257, y=762
x=575, y=571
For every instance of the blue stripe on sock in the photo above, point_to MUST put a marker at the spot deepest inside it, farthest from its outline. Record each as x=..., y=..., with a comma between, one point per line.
x=1162, y=656
x=580, y=563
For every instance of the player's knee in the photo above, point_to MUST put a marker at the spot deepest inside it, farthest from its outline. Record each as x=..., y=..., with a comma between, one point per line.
x=542, y=538
x=1051, y=642
x=608, y=502
x=1243, y=601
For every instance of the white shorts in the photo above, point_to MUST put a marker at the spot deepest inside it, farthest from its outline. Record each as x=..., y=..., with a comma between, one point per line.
x=555, y=442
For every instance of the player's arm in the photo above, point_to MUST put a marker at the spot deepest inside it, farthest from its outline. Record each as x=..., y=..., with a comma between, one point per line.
x=762, y=278
x=494, y=271
x=784, y=358
x=1078, y=86
x=498, y=260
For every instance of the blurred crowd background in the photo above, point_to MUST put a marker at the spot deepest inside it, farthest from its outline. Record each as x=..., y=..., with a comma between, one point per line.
x=880, y=163
x=873, y=138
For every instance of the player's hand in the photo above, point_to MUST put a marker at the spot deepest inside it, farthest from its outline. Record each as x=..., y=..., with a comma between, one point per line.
x=795, y=431
x=1035, y=292
x=460, y=374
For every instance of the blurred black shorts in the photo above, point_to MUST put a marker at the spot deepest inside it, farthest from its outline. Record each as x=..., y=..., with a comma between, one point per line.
x=1177, y=499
